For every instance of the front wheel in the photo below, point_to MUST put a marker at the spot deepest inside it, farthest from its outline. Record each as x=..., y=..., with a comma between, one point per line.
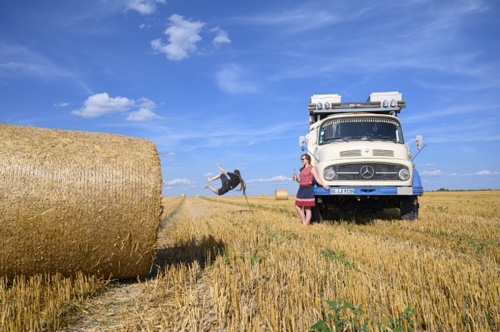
x=409, y=208
x=320, y=211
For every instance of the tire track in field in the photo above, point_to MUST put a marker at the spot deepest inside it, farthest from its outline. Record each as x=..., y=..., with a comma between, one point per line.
x=109, y=310
x=121, y=305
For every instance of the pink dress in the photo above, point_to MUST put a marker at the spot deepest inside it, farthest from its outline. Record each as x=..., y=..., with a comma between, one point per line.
x=305, y=194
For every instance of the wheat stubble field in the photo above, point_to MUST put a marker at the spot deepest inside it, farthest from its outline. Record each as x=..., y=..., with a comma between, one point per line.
x=225, y=266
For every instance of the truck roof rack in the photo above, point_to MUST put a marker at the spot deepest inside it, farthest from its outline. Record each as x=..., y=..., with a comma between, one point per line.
x=324, y=105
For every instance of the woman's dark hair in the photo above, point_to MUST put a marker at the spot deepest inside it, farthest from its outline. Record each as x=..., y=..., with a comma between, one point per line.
x=243, y=185
x=308, y=157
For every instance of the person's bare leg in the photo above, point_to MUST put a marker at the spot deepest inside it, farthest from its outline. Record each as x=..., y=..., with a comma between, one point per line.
x=212, y=188
x=214, y=178
x=301, y=213
x=307, y=216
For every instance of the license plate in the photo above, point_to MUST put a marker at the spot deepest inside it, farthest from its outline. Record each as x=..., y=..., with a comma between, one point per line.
x=343, y=191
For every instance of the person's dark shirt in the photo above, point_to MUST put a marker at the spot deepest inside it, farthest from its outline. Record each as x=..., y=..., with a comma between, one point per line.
x=234, y=180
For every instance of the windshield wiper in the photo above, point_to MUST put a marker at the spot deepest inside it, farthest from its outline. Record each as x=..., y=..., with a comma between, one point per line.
x=331, y=139
x=361, y=138
x=387, y=138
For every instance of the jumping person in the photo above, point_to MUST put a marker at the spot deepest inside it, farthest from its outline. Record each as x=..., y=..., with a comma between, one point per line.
x=305, y=195
x=230, y=180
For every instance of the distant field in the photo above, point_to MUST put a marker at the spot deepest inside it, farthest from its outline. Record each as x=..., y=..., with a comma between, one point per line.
x=224, y=265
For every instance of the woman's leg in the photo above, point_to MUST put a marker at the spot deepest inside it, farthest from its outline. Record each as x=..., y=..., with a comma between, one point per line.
x=301, y=213
x=307, y=219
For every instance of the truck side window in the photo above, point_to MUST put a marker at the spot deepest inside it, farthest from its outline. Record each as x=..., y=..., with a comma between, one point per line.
x=326, y=133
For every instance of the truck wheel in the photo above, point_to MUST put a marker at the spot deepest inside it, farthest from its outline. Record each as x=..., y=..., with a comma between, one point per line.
x=316, y=215
x=319, y=214
x=409, y=208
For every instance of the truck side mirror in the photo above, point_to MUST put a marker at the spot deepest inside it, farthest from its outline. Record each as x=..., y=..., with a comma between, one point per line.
x=419, y=140
x=302, y=141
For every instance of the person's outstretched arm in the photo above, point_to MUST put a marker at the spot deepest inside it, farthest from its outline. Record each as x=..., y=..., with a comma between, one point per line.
x=222, y=169
x=316, y=177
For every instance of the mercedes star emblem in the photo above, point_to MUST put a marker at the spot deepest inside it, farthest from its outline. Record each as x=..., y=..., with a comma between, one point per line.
x=367, y=172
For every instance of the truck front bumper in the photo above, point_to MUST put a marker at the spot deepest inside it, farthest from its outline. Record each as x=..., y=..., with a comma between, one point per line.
x=369, y=191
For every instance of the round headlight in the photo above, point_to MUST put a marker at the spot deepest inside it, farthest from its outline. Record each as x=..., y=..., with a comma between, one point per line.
x=404, y=174
x=329, y=173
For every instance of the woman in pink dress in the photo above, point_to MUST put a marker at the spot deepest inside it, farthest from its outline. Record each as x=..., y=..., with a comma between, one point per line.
x=305, y=195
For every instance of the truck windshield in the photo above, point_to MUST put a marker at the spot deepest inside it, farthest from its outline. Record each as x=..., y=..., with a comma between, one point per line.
x=360, y=128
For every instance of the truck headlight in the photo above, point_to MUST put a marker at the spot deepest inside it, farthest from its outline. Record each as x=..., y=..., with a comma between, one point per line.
x=404, y=174
x=329, y=173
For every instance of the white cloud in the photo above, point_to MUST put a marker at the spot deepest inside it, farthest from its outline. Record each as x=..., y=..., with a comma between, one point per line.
x=145, y=113
x=176, y=182
x=431, y=173
x=61, y=104
x=483, y=172
x=440, y=173
x=179, y=184
x=231, y=79
x=144, y=7
x=182, y=38
x=221, y=37
x=18, y=61
x=102, y=104
x=278, y=178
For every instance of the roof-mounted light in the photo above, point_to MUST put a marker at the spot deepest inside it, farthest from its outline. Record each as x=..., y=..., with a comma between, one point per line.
x=326, y=104
x=325, y=101
x=381, y=96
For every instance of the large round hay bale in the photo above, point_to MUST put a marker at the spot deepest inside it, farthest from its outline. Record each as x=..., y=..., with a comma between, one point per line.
x=77, y=201
x=281, y=194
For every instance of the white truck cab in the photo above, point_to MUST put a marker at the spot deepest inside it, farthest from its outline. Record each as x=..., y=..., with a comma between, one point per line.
x=359, y=150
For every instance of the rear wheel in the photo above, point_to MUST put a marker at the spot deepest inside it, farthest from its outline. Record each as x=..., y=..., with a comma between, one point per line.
x=409, y=208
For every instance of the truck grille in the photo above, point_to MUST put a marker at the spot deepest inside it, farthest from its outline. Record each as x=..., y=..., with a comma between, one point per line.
x=368, y=172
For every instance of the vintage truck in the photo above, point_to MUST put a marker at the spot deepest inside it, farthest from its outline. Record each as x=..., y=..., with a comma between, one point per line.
x=359, y=150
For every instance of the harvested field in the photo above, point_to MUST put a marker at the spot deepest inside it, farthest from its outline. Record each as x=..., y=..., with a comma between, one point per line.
x=223, y=265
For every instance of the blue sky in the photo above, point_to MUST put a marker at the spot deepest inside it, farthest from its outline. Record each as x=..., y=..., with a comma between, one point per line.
x=229, y=81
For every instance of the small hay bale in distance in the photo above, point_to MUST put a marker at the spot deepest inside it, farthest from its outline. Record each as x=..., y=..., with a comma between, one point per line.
x=77, y=201
x=281, y=194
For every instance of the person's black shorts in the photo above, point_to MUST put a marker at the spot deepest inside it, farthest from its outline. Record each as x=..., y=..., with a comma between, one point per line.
x=225, y=185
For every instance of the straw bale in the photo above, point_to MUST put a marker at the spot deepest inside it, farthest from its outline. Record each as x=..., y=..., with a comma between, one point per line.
x=77, y=201
x=281, y=194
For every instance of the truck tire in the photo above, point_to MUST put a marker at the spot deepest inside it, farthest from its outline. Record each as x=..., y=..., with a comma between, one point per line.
x=320, y=212
x=409, y=208
x=316, y=215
